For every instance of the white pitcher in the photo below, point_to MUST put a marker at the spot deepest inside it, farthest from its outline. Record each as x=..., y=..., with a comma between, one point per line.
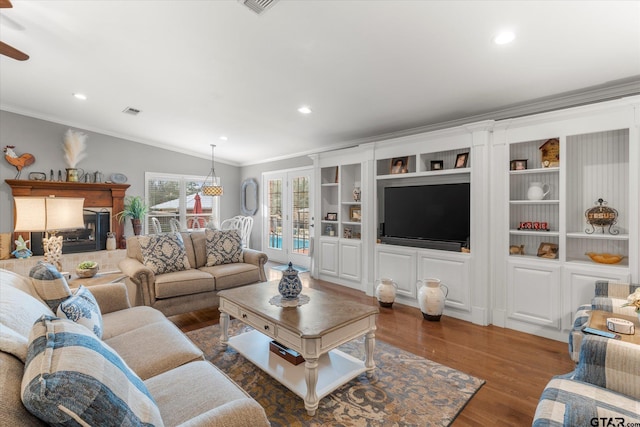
x=431, y=297
x=538, y=191
x=386, y=292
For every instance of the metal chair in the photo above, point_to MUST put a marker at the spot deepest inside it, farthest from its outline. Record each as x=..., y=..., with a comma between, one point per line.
x=175, y=225
x=244, y=224
x=155, y=222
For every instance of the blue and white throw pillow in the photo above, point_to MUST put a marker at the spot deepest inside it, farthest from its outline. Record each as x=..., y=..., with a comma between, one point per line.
x=73, y=378
x=223, y=247
x=83, y=309
x=164, y=253
x=50, y=285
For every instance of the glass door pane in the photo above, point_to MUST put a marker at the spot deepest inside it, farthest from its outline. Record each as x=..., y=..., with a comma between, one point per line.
x=274, y=206
x=300, y=215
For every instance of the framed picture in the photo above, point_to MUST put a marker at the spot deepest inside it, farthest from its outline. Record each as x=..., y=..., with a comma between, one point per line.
x=461, y=160
x=355, y=213
x=518, y=165
x=399, y=165
x=332, y=216
x=437, y=165
x=548, y=250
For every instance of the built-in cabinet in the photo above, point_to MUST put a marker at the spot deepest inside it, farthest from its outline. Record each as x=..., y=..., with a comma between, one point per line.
x=577, y=159
x=527, y=266
x=343, y=216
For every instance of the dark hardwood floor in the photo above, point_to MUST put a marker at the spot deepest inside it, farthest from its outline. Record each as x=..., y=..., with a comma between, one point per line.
x=516, y=366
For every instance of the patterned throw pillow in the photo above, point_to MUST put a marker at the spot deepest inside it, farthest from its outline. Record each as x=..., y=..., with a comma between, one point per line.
x=50, y=285
x=223, y=247
x=164, y=253
x=83, y=309
x=73, y=378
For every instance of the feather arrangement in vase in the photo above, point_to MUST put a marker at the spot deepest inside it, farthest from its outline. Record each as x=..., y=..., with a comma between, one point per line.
x=74, y=145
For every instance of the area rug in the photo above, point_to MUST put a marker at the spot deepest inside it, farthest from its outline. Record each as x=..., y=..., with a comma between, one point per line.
x=405, y=390
x=283, y=267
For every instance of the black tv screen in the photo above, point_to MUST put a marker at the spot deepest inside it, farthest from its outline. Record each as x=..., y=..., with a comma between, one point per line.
x=428, y=212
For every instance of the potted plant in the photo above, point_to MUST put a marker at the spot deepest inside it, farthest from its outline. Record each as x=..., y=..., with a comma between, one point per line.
x=87, y=269
x=136, y=209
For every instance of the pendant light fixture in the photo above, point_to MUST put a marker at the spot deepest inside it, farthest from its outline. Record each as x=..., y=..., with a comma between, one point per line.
x=213, y=188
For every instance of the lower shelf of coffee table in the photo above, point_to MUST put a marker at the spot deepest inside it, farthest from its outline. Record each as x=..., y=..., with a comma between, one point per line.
x=334, y=368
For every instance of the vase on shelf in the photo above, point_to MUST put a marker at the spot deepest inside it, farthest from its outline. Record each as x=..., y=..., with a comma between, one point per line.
x=356, y=192
x=538, y=191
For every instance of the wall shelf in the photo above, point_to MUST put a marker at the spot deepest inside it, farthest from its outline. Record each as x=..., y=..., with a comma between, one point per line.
x=598, y=236
x=535, y=171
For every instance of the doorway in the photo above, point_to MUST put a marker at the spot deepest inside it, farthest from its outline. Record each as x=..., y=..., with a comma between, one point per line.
x=288, y=214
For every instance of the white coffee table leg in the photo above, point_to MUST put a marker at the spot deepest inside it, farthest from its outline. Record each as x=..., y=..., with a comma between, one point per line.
x=369, y=345
x=224, y=328
x=311, y=378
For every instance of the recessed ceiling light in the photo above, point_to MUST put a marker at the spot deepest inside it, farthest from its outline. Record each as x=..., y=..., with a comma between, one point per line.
x=223, y=138
x=81, y=96
x=504, y=37
x=304, y=110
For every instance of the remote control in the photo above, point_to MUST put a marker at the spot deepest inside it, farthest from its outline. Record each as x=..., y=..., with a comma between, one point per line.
x=601, y=333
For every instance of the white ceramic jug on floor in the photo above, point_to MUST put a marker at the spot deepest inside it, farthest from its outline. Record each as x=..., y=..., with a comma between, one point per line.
x=431, y=297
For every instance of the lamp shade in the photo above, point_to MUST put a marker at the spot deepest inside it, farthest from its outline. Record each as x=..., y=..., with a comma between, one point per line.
x=30, y=214
x=48, y=213
x=213, y=189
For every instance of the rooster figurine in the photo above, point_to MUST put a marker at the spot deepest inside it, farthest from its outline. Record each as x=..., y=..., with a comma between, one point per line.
x=18, y=161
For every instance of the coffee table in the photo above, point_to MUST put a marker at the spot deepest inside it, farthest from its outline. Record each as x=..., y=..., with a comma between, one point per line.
x=313, y=329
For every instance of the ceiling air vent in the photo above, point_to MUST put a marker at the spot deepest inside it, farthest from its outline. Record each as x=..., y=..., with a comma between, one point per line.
x=131, y=110
x=258, y=6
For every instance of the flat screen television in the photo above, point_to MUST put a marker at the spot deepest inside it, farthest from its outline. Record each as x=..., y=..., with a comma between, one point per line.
x=429, y=216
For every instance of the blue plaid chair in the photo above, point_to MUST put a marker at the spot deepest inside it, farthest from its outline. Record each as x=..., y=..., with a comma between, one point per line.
x=605, y=384
x=609, y=296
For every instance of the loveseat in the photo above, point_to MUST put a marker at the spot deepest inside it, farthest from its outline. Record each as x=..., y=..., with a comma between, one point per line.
x=132, y=366
x=200, y=264
x=604, y=389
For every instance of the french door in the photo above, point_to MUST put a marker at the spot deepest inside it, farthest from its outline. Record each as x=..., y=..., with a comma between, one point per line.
x=287, y=217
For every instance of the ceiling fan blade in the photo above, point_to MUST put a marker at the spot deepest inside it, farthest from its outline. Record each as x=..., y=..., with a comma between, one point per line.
x=12, y=52
x=5, y=4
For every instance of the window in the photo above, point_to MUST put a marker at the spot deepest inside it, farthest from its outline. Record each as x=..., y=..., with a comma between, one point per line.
x=172, y=196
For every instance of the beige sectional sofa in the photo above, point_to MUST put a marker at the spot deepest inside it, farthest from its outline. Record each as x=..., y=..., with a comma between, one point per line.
x=182, y=387
x=193, y=288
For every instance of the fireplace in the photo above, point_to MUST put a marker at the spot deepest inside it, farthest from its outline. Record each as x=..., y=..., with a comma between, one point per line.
x=96, y=196
x=93, y=237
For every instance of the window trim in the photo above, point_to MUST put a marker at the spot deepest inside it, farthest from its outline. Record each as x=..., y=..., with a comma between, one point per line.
x=182, y=207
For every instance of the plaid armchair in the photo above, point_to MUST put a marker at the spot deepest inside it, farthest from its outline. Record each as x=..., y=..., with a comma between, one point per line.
x=605, y=384
x=609, y=296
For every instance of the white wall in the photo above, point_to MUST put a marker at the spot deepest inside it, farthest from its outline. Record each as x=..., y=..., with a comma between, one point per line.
x=106, y=154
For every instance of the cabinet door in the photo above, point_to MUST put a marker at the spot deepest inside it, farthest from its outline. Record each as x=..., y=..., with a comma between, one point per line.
x=329, y=257
x=398, y=265
x=533, y=290
x=453, y=272
x=350, y=260
x=580, y=286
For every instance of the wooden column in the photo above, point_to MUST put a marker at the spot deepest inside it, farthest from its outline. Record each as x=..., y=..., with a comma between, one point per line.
x=101, y=195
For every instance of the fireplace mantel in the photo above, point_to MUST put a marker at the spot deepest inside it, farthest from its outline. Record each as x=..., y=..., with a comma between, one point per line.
x=100, y=195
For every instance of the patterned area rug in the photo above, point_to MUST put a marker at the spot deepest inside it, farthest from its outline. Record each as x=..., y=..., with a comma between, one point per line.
x=405, y=390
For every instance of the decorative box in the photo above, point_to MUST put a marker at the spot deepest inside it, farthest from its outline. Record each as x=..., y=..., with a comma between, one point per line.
x=287, y=354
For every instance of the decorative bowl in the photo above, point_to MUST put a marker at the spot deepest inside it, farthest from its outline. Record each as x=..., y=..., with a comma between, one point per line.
x=605, y=258
x=87, y=269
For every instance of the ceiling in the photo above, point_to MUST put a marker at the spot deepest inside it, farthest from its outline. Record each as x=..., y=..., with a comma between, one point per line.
x=202, y=69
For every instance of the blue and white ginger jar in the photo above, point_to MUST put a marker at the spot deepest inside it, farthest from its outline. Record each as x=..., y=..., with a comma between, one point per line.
x=290, y=285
